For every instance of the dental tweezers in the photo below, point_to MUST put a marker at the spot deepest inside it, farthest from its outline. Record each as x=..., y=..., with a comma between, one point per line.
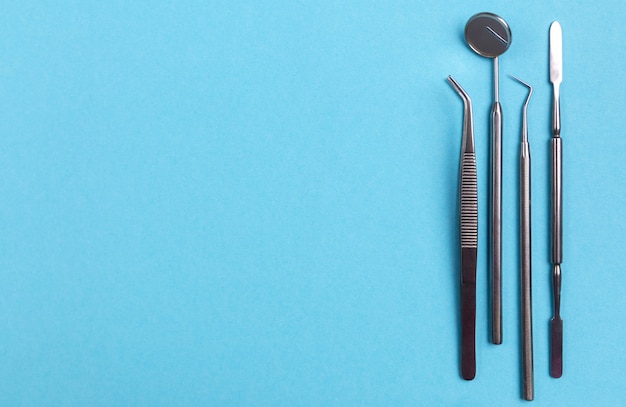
x=468, y=195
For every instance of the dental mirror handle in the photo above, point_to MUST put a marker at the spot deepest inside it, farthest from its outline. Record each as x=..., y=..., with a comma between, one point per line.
x=496, y=223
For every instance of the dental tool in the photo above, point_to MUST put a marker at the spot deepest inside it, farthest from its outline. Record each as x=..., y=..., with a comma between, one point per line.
x=490, y=36
x=468, y=195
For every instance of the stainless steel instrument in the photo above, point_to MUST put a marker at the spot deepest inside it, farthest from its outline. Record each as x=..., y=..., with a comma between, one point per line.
x=525, y=254
x=556, y=76
x=468, y=196
x=490, y=36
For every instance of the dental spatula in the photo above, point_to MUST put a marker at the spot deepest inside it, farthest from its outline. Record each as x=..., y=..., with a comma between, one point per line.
x=556, y=76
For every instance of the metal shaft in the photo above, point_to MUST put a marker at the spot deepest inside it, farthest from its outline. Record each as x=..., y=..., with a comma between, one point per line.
x=556, y=324
x=496, y=80
x=526, y=273
x=557, y=201
x=495, y=221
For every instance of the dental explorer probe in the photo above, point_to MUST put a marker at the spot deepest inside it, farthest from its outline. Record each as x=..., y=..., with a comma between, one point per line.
x=525, y=254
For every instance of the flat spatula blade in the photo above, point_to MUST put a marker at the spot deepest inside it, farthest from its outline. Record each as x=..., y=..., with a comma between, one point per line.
x=556, y=353
x=556, y=53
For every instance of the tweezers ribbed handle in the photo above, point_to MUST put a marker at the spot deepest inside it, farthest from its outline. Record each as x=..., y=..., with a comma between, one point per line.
x=469, y=202
x=469, y=243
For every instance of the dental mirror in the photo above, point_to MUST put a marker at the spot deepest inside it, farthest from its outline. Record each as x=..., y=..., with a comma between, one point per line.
x=490, y=36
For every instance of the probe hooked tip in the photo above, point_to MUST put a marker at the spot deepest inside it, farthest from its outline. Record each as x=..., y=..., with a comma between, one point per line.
x=522, y=82
x=530, y=88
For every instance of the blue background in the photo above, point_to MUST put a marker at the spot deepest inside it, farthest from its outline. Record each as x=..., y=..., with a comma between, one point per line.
x=244, y=203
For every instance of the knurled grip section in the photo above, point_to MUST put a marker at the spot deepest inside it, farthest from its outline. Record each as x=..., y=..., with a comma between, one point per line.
x=469, y=202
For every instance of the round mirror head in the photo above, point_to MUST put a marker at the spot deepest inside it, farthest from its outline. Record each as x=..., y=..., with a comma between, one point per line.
x=488, y=34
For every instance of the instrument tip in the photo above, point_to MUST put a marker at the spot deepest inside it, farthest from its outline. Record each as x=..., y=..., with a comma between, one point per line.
x=556, y=347
x=457, y=87
x=522, y=82
x=530, y=89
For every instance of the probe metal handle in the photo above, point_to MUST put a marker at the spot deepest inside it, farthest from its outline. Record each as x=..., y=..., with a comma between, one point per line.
x=526, y=273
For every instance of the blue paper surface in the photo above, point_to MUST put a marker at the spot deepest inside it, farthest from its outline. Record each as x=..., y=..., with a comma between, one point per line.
x=232, y=203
